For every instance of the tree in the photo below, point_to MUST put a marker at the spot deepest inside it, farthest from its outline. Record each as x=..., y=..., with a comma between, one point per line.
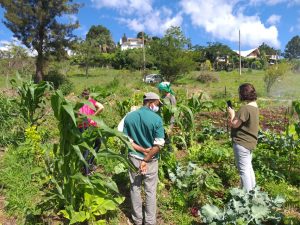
x=215, y=49
x=141, y=34
x=85, y=54
x=15, y=60
x=268, y=50
x=273, y=73
x=292, y=49
x=171, y=54
x=101, y=37
x=35, y=24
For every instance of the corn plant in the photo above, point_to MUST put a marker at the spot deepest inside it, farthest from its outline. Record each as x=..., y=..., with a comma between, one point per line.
x=32, y=100
x=72, y=193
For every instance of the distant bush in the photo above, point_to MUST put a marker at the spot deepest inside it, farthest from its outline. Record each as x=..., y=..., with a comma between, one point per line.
x=256, y=65
x=207, y=77
x=59, y=81
x=67, y=87
x=296, y=66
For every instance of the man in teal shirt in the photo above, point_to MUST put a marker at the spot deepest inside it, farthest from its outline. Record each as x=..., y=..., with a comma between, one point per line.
x=145, y=128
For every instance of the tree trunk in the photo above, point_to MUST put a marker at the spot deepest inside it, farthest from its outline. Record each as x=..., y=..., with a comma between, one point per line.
x=39, y=73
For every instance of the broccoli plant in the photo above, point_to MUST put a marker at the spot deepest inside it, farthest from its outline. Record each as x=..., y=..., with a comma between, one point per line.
x=252, y=207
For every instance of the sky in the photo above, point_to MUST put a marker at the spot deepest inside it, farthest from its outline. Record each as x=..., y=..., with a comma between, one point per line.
x=273, y=22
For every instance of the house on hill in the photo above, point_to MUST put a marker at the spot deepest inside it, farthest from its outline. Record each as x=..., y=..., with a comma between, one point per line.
x=130, y=43
x=250, y=54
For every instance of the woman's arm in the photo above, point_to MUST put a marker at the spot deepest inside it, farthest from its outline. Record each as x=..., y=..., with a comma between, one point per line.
x=99, y=108
x=234, y=121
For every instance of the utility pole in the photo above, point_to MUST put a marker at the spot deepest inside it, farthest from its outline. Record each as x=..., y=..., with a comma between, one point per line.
x=144, y=56
x=240, y=52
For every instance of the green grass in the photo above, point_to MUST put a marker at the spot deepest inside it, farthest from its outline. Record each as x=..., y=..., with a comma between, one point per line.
x=286, y=87
x=131, y=81
x=17, y=181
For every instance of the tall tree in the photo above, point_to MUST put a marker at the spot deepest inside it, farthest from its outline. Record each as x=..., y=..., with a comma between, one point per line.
x=171, y=54
x=292, y=49
x=35, y=24
x=101, y=37
x=268, y=50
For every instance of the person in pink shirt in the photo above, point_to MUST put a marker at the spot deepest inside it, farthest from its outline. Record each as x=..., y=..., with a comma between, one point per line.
x=88, y=111
x=86, y=123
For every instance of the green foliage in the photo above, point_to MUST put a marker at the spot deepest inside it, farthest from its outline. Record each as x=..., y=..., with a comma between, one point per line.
x=194, y=182
x=55, y=78
x=171, y=57
x=210, y=152
x=102, y=38
x=292, y=48
x=252, y=207
x=273, y=73
x=256, y=65
x=215, y=49
x=97, y=202
x=268, y=50
x=278, y=155
x=295, y=65
x=20, y=178
x=289, y=192
x=15, y=60
x=69, y=186
x=35, y=24
x=11, y=124
x=206, y=77
x=32, y=100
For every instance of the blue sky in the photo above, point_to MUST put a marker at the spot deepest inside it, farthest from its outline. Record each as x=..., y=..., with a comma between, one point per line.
x=274, y=22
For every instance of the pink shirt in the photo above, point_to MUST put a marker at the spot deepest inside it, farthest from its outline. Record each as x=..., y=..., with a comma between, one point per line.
x=87, y=110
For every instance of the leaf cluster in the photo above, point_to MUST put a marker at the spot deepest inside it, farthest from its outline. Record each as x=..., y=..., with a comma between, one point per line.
x=252, y=207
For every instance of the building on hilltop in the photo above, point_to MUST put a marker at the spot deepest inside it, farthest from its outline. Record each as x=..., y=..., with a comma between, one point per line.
x=130, y=43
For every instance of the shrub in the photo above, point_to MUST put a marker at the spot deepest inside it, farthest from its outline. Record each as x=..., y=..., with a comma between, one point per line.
x=59, y=81
x=67, y=87
x=273, y=73
x=296, y=66
x=11, y=130
x=207, y=77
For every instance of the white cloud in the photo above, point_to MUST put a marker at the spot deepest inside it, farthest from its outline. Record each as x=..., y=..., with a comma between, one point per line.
x=126, y=6
x=267, y=2
x=274, y=2
x=154, y=23
x=217, y=18
x=274, y=19
x=139, y=15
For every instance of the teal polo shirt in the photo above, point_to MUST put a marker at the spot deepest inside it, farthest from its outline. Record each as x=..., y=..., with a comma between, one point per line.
x=143, y=126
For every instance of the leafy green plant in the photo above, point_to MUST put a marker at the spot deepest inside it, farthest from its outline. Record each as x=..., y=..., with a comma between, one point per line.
x=69, y=186
x=252, y=207
x=279, y=153
x=289, y=192
x=97, y=202
x=209, y=152
x=32, y=100
x=194, y=181
x=11, y=125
